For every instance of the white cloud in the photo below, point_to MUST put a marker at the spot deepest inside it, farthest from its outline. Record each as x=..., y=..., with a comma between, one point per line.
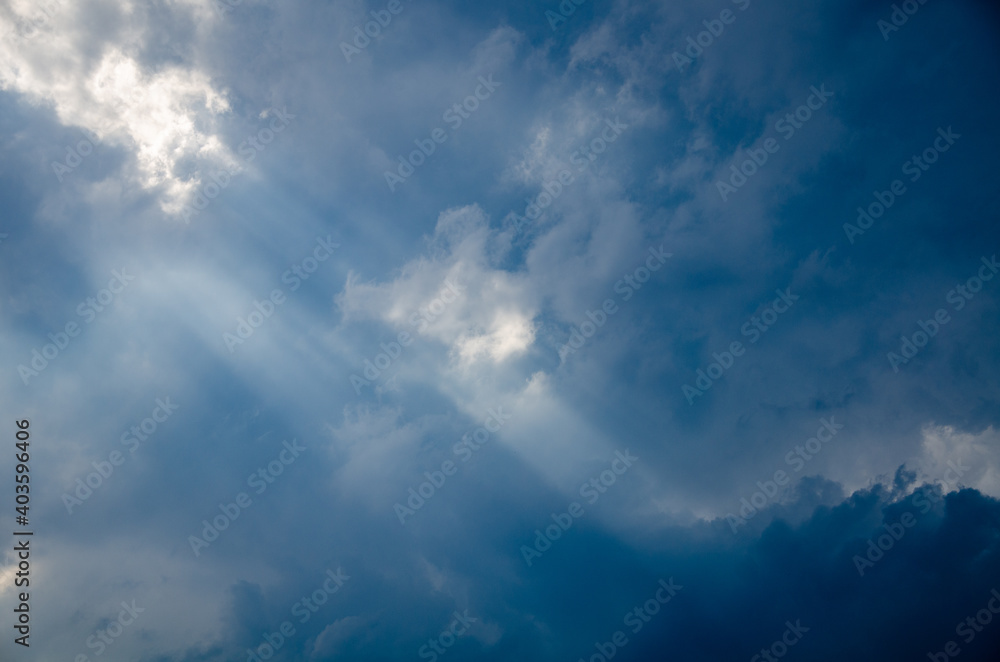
x=95, y=81
x=511, y=334
x=946, y=451
x=491, y=319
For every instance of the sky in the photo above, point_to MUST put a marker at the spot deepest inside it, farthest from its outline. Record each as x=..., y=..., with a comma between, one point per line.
x=435, y=330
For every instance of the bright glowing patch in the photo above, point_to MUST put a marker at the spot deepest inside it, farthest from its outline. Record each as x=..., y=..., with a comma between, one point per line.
x=511, y=334
x=165, y=116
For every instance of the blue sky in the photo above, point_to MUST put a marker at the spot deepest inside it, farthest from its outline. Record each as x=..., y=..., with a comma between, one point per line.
x=470, y=336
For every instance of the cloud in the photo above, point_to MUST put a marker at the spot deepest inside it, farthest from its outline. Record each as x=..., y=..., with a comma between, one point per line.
x=168, y=88
x=458, y=296
x=91, y=78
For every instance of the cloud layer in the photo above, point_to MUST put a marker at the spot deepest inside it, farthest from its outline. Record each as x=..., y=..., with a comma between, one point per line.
x=692, y=236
